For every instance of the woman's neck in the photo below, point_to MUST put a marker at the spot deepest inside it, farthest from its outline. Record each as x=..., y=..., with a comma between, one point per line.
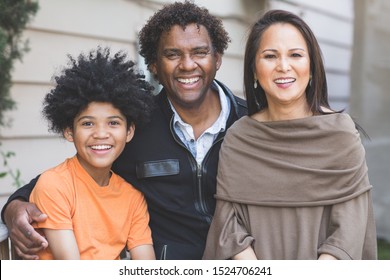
x=282, y=113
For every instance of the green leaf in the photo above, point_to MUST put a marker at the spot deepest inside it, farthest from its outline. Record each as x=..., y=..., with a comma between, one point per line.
x=10, y=154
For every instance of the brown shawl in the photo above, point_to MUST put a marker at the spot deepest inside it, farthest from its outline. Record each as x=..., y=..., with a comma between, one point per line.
x=305, y=162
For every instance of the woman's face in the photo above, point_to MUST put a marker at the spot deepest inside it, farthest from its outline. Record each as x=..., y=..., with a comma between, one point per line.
x=283, y=66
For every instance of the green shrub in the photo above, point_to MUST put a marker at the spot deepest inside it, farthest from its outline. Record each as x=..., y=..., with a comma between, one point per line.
x=14, y=16
x=383, y=249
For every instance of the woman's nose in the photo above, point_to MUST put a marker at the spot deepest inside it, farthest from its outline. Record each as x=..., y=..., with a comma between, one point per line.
x=284, y=64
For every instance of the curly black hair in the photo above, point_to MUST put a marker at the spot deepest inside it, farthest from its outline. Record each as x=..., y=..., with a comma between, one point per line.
x=182, y=14
x=98, y=77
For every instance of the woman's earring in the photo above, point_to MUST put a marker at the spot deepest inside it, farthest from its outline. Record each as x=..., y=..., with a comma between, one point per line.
x=255, y=84
x=310, y=81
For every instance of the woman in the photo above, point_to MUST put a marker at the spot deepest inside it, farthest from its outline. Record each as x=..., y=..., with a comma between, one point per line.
x=292, y=178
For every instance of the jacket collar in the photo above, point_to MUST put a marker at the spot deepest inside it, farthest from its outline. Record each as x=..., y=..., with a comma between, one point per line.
x=234, y=108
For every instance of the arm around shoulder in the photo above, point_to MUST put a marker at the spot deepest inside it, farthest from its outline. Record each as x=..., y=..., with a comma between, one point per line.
x=18, y=218
x=22, y=194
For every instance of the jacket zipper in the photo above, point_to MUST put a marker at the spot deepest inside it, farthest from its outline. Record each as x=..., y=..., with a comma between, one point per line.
x=201, y=205
x=202, y=202
x=163, y=255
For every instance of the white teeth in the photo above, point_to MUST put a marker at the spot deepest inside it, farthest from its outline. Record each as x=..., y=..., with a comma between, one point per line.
x=188, y=81
x=101, y=147
x=284, y=81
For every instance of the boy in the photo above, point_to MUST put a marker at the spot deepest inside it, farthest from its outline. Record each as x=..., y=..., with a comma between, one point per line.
x=92, y=212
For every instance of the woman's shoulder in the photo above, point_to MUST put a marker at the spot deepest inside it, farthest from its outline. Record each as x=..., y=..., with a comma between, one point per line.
x=239, y=125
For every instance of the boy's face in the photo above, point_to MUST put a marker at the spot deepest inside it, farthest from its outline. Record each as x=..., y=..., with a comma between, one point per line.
x=99, y=134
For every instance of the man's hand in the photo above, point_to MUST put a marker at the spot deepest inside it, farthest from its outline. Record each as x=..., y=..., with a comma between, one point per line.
x=18, y=217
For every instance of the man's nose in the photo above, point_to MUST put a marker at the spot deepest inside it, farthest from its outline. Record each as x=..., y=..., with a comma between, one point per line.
x=187, y=62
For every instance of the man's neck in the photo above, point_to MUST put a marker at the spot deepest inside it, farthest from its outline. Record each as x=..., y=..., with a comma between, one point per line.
x=202, y=116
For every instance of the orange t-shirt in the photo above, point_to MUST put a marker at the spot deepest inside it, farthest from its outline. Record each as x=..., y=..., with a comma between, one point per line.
x=104, y=219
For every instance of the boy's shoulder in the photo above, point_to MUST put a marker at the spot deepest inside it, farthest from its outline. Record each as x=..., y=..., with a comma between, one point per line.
x=55, y=175
x=62, y=169
x=125, y=186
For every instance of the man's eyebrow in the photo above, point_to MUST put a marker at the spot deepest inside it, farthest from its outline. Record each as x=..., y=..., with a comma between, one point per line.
x=166, y=50
x=202, y=48
x=193, y=49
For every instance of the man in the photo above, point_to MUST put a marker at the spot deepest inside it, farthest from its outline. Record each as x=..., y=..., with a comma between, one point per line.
x=173, y=160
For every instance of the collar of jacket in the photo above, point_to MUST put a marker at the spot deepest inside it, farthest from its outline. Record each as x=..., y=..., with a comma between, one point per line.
x=238, y=105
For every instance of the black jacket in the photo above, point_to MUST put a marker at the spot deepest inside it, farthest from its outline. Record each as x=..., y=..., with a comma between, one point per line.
x=179, y=193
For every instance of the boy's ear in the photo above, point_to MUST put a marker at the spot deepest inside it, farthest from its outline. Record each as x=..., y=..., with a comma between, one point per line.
x=130, y=133
x=68, y=134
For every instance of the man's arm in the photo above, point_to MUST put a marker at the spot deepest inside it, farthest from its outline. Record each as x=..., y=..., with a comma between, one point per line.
x=18, y=215
x=22, y=194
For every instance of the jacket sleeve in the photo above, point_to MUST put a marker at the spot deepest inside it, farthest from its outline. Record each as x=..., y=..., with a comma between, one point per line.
x=22, y=193
x=352, y=233
x=227, y=234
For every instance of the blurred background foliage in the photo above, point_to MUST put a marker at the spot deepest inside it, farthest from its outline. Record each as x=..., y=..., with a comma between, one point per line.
x=14, y=16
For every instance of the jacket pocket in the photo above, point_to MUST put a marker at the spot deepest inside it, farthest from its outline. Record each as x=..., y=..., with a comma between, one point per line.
x=157, y=168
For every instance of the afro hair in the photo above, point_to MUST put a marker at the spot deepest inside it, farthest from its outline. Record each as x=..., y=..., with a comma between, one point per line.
x=98, y=77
